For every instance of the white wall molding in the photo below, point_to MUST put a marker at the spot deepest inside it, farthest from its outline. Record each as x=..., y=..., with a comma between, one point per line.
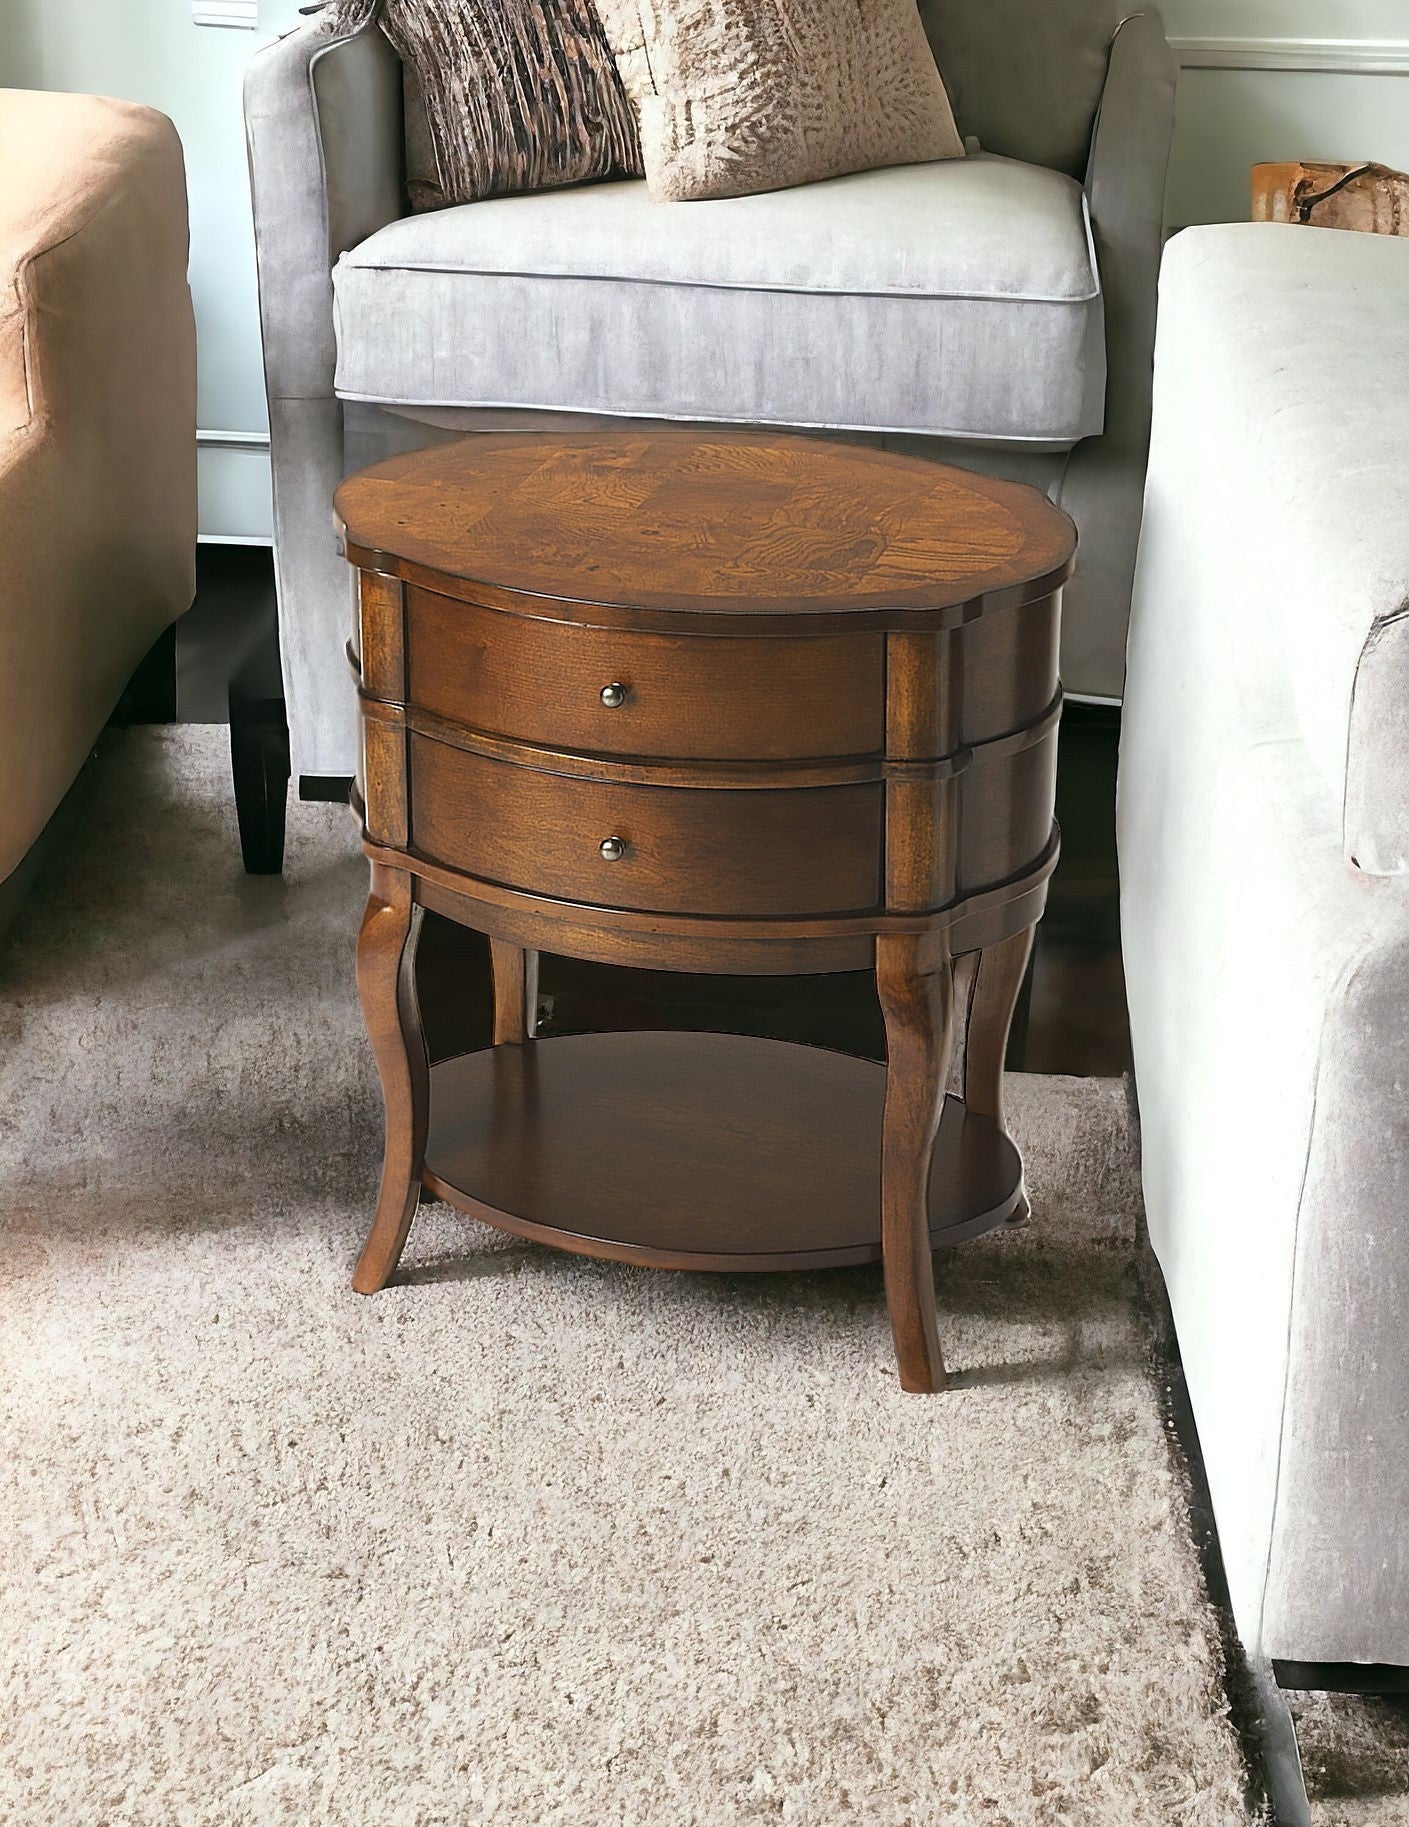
x=232, y=440
x=241, y=14
x=1355, y=56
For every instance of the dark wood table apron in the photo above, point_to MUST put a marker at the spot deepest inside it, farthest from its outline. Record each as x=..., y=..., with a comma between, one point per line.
x=706, y=701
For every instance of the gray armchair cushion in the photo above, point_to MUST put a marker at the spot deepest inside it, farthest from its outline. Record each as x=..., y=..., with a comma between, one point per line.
x=959, y=299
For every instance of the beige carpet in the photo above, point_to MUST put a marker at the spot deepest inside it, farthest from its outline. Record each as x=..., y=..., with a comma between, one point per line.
x=527, y=1539
x=1355, y=1752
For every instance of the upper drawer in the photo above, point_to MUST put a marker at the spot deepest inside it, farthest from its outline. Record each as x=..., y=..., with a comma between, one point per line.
x=706, y=697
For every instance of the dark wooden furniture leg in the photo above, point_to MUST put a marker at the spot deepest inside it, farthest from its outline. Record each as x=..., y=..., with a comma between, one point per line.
x=999, y=975
x=1000, y=972
x=386, y=960
x=916, y=996
x=515, y=973
x=259, y=762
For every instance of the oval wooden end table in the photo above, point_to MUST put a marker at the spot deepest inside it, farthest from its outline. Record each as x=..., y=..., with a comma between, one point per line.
x=706, y=701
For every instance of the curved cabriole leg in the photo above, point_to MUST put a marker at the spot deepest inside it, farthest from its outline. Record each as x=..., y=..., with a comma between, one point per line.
x=998, y=980
x=916, y=996
x=515, y=974
x=386, y=957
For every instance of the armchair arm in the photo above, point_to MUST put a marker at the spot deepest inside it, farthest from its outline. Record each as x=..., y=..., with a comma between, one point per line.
x=323, y=117
x=1104, y=484
x=1125, y=185
x=97, y=365
x=323, y=121
x=1281, y=467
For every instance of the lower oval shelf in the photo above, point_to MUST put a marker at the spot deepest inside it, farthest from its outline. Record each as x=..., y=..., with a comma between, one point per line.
x=695, y=1151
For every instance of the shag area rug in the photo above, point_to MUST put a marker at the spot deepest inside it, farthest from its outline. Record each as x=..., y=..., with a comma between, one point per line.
x=525, y=1538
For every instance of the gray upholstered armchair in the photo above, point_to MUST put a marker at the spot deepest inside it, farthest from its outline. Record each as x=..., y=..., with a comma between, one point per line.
x=1264, y=864
x=996, y=311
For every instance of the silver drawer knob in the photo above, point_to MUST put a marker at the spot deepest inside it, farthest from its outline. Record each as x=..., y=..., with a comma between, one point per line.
x=613, y=849
x=613, y=695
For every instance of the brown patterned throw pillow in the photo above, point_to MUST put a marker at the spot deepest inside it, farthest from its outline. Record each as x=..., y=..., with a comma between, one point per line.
x=736, y=96
x=517, y=94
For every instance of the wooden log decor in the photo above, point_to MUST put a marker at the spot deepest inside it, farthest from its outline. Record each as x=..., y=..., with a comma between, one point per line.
x=1372, y=199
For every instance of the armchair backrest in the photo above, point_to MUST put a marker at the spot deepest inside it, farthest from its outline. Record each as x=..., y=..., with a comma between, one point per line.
x=1025, y=76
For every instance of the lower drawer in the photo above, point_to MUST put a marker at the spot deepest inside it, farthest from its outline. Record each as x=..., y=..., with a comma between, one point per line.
x=799, y=850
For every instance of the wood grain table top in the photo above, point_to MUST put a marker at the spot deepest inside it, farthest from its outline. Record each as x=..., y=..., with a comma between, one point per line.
x=704, y=521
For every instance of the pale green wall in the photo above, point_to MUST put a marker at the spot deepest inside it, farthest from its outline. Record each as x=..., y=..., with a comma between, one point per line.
x=149, y=50
x=1229, y=119
x=1288, y=18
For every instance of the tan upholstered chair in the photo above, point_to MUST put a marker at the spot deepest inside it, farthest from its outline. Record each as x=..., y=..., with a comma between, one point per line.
x=97, y=429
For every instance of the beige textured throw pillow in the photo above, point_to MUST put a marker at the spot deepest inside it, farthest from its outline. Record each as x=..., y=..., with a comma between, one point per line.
x=502, y=95
x=736, y=96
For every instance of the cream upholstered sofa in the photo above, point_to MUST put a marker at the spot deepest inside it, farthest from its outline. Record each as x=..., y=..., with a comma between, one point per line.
x=1264, y=859
x=97, y=429
x=997, y=311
